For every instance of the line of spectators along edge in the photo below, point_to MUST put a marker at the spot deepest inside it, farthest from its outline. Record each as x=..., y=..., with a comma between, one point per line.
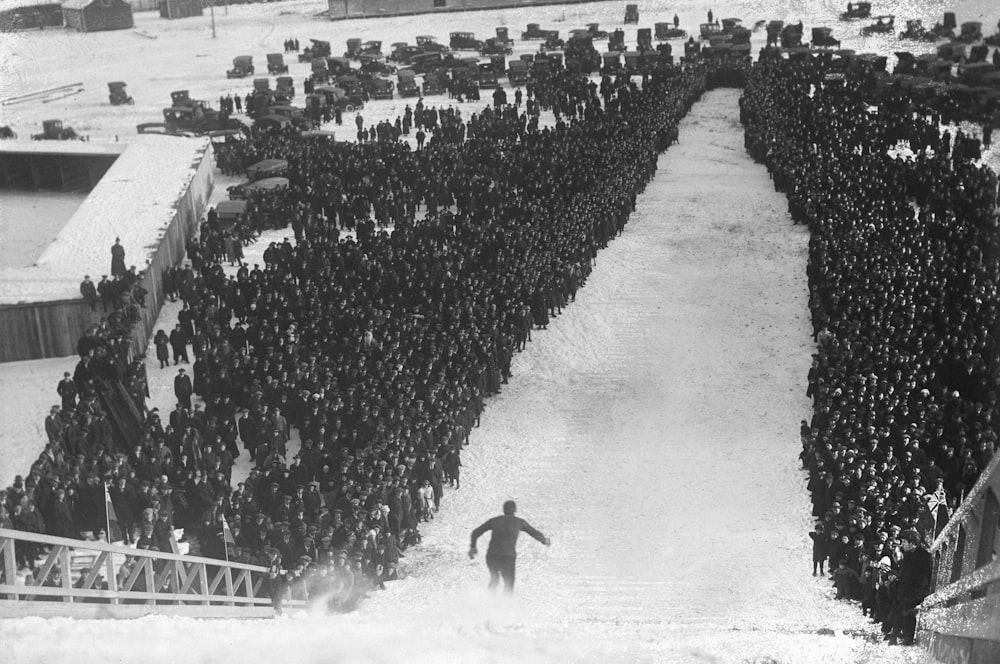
x=379, y=349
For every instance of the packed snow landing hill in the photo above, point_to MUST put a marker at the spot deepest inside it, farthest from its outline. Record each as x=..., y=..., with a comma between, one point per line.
x=651, y=431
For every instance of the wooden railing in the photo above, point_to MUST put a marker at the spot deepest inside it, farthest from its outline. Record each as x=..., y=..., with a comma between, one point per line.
x=93, y=579
x=960, y=620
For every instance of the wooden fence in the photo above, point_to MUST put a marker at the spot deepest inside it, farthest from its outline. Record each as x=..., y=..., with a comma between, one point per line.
x=85, y=579
x=960, y=621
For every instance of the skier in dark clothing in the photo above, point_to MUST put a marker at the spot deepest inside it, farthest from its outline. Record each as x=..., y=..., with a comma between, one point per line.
x=502, y=553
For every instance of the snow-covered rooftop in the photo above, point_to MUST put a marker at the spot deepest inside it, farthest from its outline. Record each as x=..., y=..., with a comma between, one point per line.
x=82, y=148
x=135, y=200
x=7, y=5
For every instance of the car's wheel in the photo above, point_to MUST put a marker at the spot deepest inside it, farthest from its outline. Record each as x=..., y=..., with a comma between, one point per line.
x=349, y=108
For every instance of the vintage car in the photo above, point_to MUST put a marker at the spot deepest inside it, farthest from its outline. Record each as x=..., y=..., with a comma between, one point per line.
x=517, y=72
x=553, y=41
x=791, y=35
x=495, y=46
x=616, y=42
x=883, y=24
x=242, y=67
x=499, y=65
x=611, y=62
x=953, y=51
x=824, y=37
x=338, y=66
x=352, y=85
x=915, y=31
x=353, y=48
x=631, y=14
x=434, y=84
x=972, y=31
x=464, y=41
x=973, y=73
x=740, y=35
x=117, y=95
x=53, y=130
x=730, y=24
x=267, y=168
x=317, y=49
x=180, y=98
x=644, y=39
x=370, y=47
x=376, y=64
x=692, y=50
x=488, y=76
x=197, y=119
x=402, y=53
x=664, y=31
x=407, y=83
x=276, y=64
x=631, y=61
x=284, y=88
x=425, y=62
x=337, y=96
x=229, y=212
x=595, y=31
x=320, y=70
x=533, y=31
x=294, y=113
x=503, y=34
x=241, y=191
x=774, y=29
x=708, y=29
x=429, y=44
x=381, y=88
x=856, y=10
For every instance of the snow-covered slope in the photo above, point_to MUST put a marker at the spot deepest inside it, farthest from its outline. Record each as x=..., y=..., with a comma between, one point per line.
x=651, y=431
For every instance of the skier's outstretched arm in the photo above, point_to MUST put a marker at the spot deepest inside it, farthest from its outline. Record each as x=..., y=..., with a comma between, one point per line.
x=476, y=534
x=536, y=534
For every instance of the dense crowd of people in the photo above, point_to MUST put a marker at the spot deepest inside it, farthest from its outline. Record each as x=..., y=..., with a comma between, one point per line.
x=413, y=278
x=903, y=273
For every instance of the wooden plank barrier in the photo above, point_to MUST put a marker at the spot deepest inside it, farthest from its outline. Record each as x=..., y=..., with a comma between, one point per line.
x=87, y=579
x=959, y=622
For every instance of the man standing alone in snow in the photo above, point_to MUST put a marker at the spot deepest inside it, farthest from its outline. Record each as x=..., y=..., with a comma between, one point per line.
x=502, y=553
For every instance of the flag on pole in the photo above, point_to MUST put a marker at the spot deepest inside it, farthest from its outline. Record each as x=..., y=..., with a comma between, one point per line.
x=227, y=537
x=227, y=534
x=114, y=529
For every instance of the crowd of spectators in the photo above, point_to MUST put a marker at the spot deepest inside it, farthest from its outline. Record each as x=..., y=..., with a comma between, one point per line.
x=413, y=278
x=903, y=271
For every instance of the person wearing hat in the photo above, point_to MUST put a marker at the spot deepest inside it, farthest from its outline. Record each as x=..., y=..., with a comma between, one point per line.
x=183, y=388
x=501, y=556
x=913, y=586
x=67, y=391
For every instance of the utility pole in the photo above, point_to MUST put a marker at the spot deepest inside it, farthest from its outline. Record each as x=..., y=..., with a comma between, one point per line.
x=211, y=8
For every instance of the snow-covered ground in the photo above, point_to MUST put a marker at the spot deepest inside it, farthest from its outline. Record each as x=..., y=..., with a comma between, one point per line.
x=160, y=55
x=651, y=431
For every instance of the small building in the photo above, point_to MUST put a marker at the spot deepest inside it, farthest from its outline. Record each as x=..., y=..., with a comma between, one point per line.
x=29, y=15
x=180, y=8
x=96, y=15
